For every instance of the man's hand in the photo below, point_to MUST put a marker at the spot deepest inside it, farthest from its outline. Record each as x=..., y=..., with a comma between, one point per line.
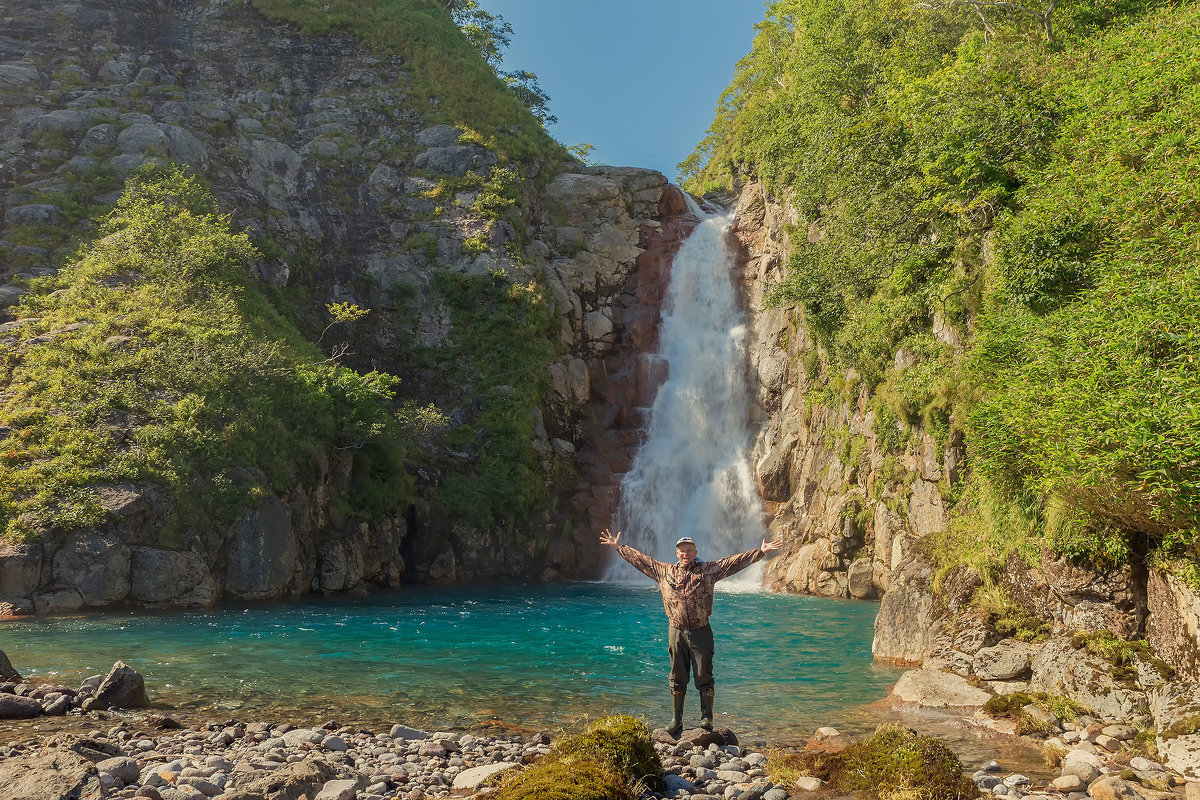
x=608, y=539
x=774, y=544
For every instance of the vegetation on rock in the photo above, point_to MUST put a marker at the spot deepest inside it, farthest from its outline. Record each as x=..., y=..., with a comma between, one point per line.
x=1020, y=185
x=1013, y=706
x=452, y=72
x=613, y=759
x=154, y=357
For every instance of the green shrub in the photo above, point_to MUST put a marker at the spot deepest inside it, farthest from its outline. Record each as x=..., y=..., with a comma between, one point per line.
x=1012, y=706
x=161, y=361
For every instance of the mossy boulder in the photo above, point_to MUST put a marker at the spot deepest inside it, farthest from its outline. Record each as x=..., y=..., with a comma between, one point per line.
x=613, y=759
x=894, y=762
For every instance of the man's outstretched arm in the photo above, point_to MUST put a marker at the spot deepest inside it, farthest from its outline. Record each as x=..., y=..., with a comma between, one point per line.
x=641, y=562
x=734, y=564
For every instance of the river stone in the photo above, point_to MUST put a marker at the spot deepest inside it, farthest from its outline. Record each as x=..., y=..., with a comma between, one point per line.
x=470, y=779
x=807, y=783
x=294, y=738
x=405, y=732
x=338, y=790
x=15, y=707
x=1111, y=787
x=1005, y=660
x=57, y=774
x=123, y=687
x=1084, y=765
x=935, y=689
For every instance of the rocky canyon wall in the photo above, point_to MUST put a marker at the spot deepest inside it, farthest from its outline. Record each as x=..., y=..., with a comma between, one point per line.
x=352, y=194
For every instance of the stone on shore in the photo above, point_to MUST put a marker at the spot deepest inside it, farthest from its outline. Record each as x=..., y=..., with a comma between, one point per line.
x=405, y=732
x=471, y=779
x=57, y=774
x=338, y=790
x=1111, y=787
x=7, y=671
x=807, y=783
x=123, y=687
x=15, y=707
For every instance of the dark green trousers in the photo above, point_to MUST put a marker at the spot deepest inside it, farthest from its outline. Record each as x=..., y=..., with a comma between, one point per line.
x=691, y=651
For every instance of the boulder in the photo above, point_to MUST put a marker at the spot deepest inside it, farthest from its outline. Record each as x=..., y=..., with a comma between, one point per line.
x=860, y=579
x=1005, y=660
x=123, y=687
x=338, y=790
x=7, y=671
x=438, y=136
x=1173, y=626
x=456, y=160
x=171, y=577
x=57, y=774
x=1082, y=765
x=471, y=779
x=1058, y=668
x=291, y=782
x=96, y=565
x=121, y=767
x=906, y=628
x=1111, y=787
x=262, y=554
x=15, y=707
x=1181, y=753
x=14, y=76
x=932, y=688
x=33, y=214
x=404, y=732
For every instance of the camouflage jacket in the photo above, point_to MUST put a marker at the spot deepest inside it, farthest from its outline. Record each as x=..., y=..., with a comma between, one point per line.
x=687, y=592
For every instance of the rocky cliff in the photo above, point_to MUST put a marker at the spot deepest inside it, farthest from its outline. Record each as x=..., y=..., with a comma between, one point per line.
x=353, y=192
x=860, y=514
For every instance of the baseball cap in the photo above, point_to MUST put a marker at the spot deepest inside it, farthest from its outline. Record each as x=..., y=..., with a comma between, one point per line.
x=685, y=540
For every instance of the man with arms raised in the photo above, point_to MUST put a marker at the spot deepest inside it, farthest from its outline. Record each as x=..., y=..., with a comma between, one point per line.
x=687, y=592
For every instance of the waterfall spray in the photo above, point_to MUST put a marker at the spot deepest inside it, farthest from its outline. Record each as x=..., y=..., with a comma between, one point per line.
x=692, y=477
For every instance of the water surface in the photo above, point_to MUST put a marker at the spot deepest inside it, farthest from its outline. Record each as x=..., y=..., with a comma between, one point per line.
x=543, y=657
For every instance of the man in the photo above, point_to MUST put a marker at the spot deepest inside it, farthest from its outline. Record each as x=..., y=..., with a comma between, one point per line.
x=687, y=592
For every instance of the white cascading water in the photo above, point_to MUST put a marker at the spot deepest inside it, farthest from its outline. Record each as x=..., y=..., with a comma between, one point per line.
x=692, y=477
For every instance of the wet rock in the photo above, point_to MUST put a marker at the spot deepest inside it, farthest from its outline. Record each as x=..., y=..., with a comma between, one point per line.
x=7, y=671
x=16, y=707
x=123, y=687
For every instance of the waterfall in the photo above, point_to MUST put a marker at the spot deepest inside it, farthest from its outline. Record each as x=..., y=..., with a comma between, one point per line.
x=692, y=476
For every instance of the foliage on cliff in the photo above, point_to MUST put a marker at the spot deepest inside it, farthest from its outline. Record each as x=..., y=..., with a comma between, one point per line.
x=960, y=177
x=153, y=357
x=449, y=71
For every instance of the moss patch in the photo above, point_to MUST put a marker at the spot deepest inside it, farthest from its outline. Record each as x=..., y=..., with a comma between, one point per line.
x=613, y=759
x=894, y=763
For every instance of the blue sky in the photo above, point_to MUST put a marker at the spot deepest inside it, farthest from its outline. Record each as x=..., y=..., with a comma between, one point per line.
x=638, y=79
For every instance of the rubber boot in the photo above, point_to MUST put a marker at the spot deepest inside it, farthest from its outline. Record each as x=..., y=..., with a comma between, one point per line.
x=676, y=727
x=706, y=710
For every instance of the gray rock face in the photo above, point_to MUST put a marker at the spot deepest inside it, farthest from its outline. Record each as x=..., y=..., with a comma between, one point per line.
x=167, y=577
x=33, y=215
x=96, y=565
x=262, y=554
x=456, y=160
x=123, y=687
x=20, y=569
x=1058, y=668
x=13, y=76
x=936, y=689
x=1006, y=660
x=1173, y=626
x=905, y=629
